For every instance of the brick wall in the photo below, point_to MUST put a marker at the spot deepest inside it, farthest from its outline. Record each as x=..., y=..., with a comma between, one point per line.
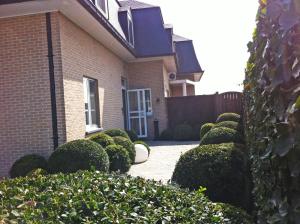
x=150, y=75
x=25, y=107
x=84, y=56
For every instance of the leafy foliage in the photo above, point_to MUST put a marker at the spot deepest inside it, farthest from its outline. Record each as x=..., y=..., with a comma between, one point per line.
x=78, y=155
x=183, y=132
x=94, y=197
x=229, y=117
x=223, y=169
x=26, y=164
x=127, y=144
x=132, y=135
x=221, y=135
x=102, y=139
x=205, y=128
x=229, y=124
x=118, y=158
x=166, y=135
x=272, y=117
x=145, y=144
x=117, y=132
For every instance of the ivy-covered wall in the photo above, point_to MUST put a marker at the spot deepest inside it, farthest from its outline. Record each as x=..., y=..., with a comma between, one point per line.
x=272, y=111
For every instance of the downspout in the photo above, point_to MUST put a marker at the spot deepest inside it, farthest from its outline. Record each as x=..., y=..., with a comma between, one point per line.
x=52, y=81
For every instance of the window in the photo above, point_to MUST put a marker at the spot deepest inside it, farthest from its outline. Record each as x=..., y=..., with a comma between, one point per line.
x=101, y=5
x=148, y=102
x=91, y=104
x=130, y=29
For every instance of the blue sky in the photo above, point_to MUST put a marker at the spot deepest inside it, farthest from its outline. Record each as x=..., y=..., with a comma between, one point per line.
x=220, y=31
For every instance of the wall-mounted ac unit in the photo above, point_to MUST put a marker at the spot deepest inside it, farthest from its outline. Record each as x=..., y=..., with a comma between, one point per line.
x=172, y=76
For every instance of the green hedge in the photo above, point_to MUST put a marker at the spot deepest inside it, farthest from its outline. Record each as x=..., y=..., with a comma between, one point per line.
x=229, y=124
x=117, y=132
x=102, y=139
x=127, y=144
x=205, y=128
x=221, y=135
x=26, y=164
x=183, y=132
x=229, y=117
x=223, y=169
x=118, y=158
x=132, y=135
x=145, y=144
x=78, y=155
x=94, y=197
x=166, y=135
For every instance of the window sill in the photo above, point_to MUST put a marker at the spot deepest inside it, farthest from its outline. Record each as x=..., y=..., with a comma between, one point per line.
x=93, y=131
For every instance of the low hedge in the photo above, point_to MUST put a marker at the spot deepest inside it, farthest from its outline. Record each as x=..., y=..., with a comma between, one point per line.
x=94, y=197
x=118, y=158
x=183, y=132
x=229, y=124
x=221, y=135
x=145, y=144
x=78, y=155
x=117, y=132
x=127, y=144
x=102, y=139
x=229, y=117
x=223, y=169
x=205, y=128
x=166, y=135
x=132, y=135
x=26, y=164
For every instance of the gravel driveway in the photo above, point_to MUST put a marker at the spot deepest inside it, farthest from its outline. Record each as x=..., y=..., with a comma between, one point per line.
x=162, y=160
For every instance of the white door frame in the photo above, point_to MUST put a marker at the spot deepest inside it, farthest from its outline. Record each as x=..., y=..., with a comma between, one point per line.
x=142, y=115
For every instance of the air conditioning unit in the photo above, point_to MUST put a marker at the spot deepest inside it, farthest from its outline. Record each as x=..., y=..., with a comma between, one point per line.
x=172, y=76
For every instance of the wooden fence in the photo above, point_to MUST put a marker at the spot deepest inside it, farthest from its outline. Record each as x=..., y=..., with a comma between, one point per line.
x=197, y=110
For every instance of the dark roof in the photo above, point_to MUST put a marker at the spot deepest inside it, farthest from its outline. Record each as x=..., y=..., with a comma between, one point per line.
x=125, y=5
x=187, y=61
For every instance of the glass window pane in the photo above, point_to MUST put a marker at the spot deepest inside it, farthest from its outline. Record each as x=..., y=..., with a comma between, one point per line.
x=135, y=125
x=86, y=117
x=94, y=117
x=102, y=5
x=133, y=101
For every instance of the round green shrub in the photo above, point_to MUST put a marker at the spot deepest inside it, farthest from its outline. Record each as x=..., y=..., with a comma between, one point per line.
x=26, y=164
x=223, y=169
x=127, y=144
x=37, y=172
x=118, y=158
x=78, y=155
x=132, y=135
x=228, y=124
x=205, y=128
x=166, y=135
x=229, y=117
x=116, y=132
x=221, y=135
x=183, y=132
x=145, y=144
x=102, y=139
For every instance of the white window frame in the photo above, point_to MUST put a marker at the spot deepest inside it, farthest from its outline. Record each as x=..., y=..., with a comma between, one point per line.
x=130, y=31
x=90, y=127
x=148, y=103
x=105, y=13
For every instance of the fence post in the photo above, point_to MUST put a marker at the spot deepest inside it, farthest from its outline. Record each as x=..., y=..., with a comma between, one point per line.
x=217, y=104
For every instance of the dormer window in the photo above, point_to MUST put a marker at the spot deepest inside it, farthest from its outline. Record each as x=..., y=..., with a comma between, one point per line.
x=130, y=29
x=101, y=5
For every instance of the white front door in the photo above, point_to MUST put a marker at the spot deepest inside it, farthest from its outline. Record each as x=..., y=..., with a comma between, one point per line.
x=137, y=112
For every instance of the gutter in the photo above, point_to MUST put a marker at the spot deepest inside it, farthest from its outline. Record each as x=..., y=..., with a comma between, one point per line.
x=52, y=81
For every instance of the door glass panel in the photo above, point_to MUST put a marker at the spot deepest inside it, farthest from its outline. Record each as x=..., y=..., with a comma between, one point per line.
x=135, y=125
x=143, y=126
x=133, y=101
x=141, y=94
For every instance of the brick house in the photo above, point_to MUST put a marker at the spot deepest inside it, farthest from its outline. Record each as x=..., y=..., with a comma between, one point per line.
x=70, y=68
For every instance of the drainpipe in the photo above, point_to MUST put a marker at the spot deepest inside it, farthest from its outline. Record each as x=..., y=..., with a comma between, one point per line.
x=52, y=81
x=184, y=89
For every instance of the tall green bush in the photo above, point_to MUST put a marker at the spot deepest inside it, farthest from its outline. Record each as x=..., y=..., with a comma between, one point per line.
x=272, y=111
x=229, y=117
x=102, y=139
x=221, y=135
x=118, y=158
x=117, y=132
x=127, y=144
x=205, y=128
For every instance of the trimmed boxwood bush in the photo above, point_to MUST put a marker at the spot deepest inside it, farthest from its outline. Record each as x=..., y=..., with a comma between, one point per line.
x=95, y=197
x=223, y=169
x=145, y=144
x=229, y=117
x=78, y=155
x=116, y=132
x=221, y=135
x=37, y=172
x=228, y=124
x=205, y=128
x=118, y=158
x=26, y=164
x=166, y=135
x=102, y=139
x=127, y=144
x=132, y=135
x=183, y=132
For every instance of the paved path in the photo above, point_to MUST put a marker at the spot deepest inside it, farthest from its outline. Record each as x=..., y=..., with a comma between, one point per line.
x=162, y=160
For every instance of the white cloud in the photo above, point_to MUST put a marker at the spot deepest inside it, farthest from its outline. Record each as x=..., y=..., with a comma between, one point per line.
x=220, y=31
